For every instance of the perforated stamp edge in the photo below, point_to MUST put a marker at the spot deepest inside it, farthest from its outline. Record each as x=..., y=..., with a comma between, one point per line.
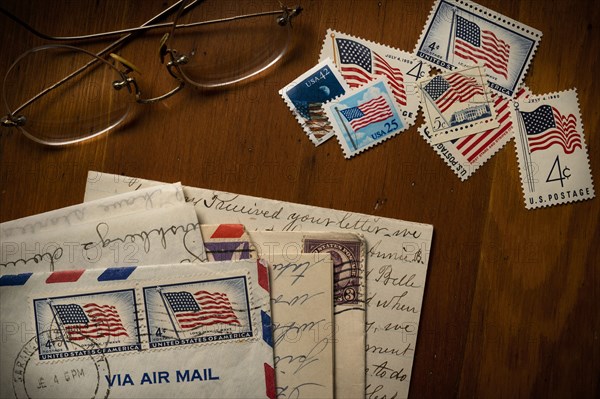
x=518, y=134
x=302, y=121
x=348, y=152
x=462, y=130
x=498, y=18
x=457, y=162
x=404, y=61
x=142, y=326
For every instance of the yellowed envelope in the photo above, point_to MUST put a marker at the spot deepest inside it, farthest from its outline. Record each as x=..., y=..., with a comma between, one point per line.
x=396, y=260
x=347, y=251
x=185, y=331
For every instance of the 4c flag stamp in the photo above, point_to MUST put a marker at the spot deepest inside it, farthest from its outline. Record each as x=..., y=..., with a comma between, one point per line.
x=551, y=148
x=460, y=33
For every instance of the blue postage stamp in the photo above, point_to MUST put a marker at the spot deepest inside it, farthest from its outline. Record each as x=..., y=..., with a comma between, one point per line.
x=365, y=117
x=460, y=33
x=87, y=324
x=306, y=95
x=198, y=312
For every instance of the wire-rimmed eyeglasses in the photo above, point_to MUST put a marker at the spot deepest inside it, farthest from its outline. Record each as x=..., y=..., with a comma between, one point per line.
x=80, y=94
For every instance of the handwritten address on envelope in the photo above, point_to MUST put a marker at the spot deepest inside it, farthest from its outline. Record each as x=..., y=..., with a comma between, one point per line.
x=397, y=258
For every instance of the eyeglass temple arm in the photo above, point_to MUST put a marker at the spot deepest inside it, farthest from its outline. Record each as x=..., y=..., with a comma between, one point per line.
x=288, y=14
x=108, y=48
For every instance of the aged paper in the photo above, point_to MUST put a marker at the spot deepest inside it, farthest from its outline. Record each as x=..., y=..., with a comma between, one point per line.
x=397, y=258
x=347, y=252
x=138, y=332
x=140, y=228
x=302, y=308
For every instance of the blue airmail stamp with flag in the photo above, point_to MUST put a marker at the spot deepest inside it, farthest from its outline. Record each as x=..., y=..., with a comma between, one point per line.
x=460, y=33
x=198, y=312
x=306, y=95
x=365, y=117
x=550, y=144
x=87, y=324
x=457, y=104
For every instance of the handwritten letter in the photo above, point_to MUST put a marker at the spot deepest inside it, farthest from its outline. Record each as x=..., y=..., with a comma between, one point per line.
x=302, y=307
x=397, y=258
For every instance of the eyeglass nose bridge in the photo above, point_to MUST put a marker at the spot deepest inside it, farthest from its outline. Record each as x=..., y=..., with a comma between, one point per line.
x=13, y=121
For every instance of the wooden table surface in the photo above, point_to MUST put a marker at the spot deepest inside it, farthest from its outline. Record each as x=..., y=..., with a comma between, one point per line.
x=511, y=301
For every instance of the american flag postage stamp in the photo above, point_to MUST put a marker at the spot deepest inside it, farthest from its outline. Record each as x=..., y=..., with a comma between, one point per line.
x=457, y=104
x=550, y=143
x=306, y=95
x=198, y=312
x=365, y=117
x=87, y=324
x=360, y=61
x=460, y=33
x=466, y=154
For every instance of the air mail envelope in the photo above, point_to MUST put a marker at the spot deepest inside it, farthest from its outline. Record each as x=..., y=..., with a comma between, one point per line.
x=396, y=261
x=151, y=227
x=303, y=327
x=227, y=242
x=189, y=331
x=347, y=251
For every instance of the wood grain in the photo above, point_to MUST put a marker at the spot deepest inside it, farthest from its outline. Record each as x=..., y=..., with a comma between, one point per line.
x=511, y=303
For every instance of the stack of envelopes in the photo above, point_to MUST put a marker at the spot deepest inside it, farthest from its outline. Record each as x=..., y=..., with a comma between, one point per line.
x=153, y=290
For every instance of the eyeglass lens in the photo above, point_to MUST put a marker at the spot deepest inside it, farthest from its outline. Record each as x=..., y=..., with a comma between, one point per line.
x=82, y=107
x=227, y=52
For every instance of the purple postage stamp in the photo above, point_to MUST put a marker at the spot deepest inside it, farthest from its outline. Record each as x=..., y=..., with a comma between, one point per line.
x=306, y=95
x=460, y=33
x=346, y=256
x=365, y=117
x=457, y=104
x=550, y=143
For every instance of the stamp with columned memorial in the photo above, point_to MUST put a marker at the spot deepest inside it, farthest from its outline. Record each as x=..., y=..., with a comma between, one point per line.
x=457, y=104
x=466, y=154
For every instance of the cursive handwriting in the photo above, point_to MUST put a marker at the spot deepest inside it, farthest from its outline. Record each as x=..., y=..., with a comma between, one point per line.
x=296, y=270
x=385, y=277
x=383, y=371
x=363, y=224
x=294, y=391
x=393, y=303
x=102, y=231
x=285, y=331
x=37, y=258
x=146, y=198
x=372, y=393
x=304, y=360
x=384, y=350
x=221, y=203
x=295, y=300
x=68, y=218
x=403, y=256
